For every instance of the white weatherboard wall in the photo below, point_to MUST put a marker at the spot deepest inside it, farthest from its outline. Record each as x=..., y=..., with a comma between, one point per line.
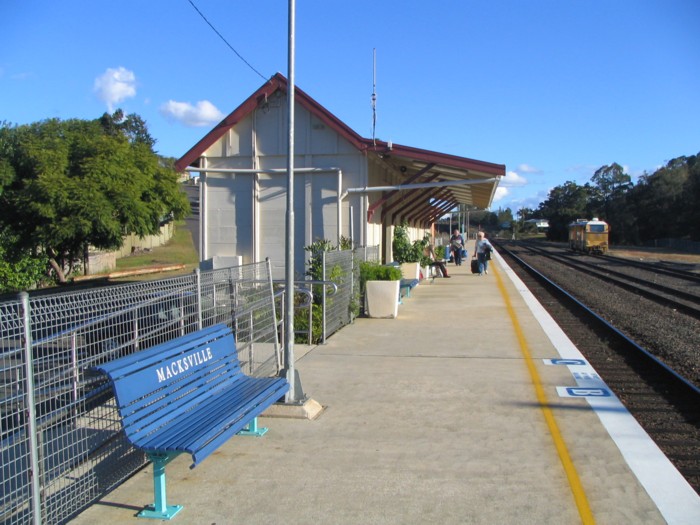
x=245, y=213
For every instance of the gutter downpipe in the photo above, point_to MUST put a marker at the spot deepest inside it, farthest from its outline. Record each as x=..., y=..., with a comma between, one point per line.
x=340, y=214
x=203, y=209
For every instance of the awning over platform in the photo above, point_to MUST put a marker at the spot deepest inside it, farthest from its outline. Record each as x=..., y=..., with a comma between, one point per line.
x=432, y=183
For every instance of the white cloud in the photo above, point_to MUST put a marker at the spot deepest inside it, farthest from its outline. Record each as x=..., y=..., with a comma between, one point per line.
x=115, y=86
x=501, y=193
x=526, y=168
x=512, y=179
x=203, y=113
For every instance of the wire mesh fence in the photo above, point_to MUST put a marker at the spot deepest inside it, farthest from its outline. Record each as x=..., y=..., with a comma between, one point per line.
x=60, y=441
x=368, y=253
x=341, y=307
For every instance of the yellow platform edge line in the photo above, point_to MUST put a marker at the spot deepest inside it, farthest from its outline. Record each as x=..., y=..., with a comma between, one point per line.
x=577, y=490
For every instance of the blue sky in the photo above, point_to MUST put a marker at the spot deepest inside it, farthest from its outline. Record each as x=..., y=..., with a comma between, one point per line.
x=552, y=89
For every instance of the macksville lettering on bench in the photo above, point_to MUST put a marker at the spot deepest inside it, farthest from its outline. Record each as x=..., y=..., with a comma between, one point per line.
x=182, y=365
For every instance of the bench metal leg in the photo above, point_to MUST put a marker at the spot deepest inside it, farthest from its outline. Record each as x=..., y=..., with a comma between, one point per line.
x=252, y=429
x=160, y=508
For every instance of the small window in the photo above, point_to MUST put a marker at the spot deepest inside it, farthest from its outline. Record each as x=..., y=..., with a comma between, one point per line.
x=596, y=228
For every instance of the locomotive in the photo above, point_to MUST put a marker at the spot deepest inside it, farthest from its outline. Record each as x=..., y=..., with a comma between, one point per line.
x=589, y=236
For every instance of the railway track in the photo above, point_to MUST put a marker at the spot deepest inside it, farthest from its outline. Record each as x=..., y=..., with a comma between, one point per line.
x=685, y=271
x=659, y=395
x=680, y=296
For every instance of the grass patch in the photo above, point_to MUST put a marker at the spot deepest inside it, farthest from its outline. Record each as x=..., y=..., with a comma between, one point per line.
x=178, y=250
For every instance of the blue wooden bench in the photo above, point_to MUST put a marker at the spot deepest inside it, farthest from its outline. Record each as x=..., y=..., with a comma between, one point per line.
x=406, y=286
x=187, y=395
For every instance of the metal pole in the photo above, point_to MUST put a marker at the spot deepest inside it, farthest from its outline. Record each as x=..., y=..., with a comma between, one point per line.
x=198, y=282
x=30, y=410
x=352, y=229
x=340, y=207
x=323, y=298
x=268, y=267
x=203, y=218
x=289, y=256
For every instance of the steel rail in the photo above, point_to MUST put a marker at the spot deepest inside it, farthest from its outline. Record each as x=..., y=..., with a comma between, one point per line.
x=656, y=267
x=667, y=370
x=653, y=291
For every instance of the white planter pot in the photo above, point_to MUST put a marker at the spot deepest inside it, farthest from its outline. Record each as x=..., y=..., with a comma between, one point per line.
x=410, y=270
x=382, y=299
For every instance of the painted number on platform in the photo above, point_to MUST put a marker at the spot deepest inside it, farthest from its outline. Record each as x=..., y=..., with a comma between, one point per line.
x=568, y=391
x=564, y=362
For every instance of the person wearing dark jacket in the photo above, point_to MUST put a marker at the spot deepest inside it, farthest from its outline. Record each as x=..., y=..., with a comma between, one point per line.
x=457, y=245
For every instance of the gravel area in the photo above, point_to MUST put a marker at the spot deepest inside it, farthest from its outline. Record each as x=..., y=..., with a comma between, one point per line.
x=671, y=336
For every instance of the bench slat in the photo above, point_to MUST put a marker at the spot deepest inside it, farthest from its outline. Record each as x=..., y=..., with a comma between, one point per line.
x=202, y=431
x=225, y=403
x=154, y=411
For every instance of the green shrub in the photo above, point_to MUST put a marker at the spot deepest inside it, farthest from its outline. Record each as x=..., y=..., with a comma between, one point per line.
x=439, y=253
x=406, y=251
x=373, y=271
x=301, y=324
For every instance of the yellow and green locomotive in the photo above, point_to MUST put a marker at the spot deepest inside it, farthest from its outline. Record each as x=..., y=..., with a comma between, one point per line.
x=589, y=236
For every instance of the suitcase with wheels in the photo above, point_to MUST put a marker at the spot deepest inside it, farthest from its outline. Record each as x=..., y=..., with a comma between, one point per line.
x=475, y=266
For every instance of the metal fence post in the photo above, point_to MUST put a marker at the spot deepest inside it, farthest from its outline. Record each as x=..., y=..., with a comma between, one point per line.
x=30, y=404
x=351, y=315
x=198, y=283
x=323, y=299
x=268, y=267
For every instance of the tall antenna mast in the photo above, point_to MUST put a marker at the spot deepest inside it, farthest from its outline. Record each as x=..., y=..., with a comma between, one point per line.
x=374, y=95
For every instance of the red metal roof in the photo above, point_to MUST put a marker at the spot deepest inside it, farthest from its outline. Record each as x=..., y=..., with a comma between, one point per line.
x=279, y=82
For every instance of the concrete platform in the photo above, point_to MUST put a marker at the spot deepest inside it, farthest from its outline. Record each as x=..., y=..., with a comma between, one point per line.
x=447, y=414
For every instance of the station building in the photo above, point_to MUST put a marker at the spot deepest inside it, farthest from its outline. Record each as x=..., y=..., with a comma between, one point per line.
x=344, y=186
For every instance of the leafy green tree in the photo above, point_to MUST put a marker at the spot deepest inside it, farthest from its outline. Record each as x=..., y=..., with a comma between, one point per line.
x=131, y=126
x=665, y=203
x=608, y=199
x=690, y=210
x=611, y=180
x=504, y=216
x=71, y=184
x=662, y=201
x=19, y=270
x=564, y=204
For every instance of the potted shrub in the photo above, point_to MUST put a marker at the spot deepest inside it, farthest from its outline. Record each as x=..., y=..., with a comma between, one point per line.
x=380, y=286
x=410, y=255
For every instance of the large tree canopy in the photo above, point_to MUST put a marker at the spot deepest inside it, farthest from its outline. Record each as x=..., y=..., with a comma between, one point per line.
x=69, y=184
x=663, y=204
x=565, y=204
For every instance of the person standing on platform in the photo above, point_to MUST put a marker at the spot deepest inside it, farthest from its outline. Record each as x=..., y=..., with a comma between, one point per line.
x=457, y=245
x=482, y=252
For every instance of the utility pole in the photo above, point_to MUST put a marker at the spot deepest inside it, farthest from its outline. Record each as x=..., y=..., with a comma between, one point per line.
x=291, y=396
